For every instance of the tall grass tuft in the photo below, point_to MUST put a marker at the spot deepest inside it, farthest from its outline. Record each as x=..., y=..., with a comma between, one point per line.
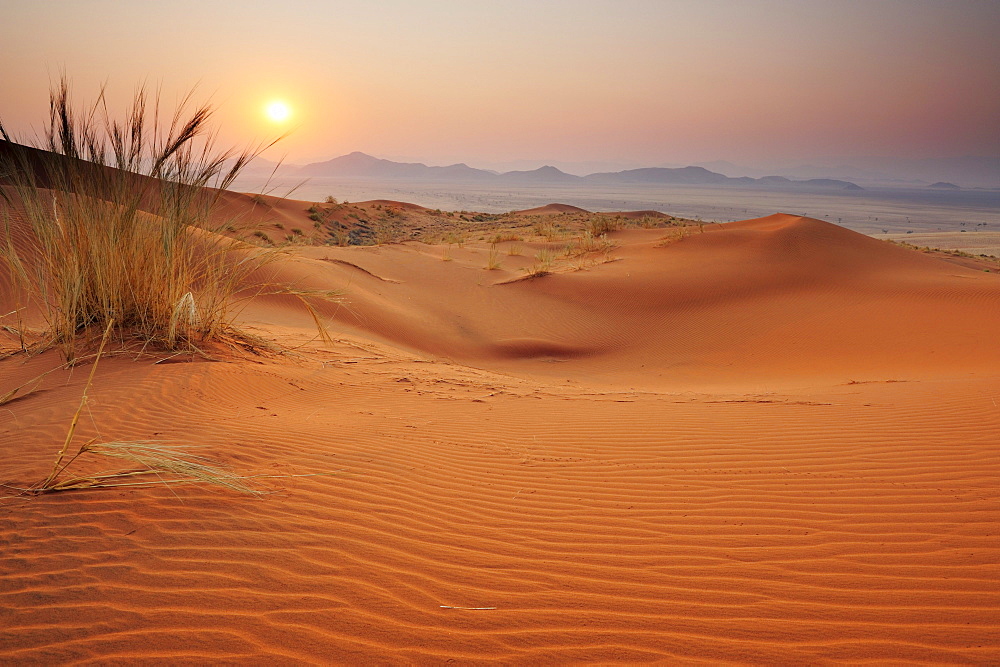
x=493, y=261
x=120, y=223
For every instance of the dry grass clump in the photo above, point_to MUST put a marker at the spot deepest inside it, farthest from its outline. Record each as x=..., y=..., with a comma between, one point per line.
x=119, y=225
x=599, y=225
x=674, y=236
x=493, y=261
x=501, y=237
x=547, y=230
x=453, y=237
x=544, y=261
x=588, y=243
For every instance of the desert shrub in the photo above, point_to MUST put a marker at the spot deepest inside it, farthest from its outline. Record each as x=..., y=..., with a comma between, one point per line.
x=385, y=232
x=339, y=238
x=116, y=215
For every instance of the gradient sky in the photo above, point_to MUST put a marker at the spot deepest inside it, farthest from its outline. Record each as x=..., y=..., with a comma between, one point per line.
x=629, y=81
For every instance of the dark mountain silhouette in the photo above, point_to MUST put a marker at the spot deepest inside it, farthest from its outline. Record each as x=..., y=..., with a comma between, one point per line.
x=682, y=175
x=362, y=166
x=702, y=176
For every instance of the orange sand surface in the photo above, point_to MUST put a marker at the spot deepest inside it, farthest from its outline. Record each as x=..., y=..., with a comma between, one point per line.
x=770, y=441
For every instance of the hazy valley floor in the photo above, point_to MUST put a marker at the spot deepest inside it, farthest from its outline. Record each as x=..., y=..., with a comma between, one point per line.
x=896, y=210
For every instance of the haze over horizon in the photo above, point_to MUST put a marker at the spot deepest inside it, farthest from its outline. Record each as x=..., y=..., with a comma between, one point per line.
x=632, y=83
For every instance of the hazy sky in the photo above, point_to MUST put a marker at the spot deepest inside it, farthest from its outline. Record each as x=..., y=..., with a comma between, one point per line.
x=630, y=81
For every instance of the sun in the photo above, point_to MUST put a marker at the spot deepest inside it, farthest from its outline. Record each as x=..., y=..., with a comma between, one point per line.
x=278, y=111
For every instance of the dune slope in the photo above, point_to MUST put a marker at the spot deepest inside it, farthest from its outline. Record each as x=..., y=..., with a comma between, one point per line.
x=764, y=299
x=774, y=441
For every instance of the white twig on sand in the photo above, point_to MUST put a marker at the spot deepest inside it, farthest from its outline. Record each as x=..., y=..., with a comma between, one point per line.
x=444, y=606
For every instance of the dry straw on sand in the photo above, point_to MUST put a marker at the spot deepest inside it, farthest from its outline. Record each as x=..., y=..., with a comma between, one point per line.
x=152, y=463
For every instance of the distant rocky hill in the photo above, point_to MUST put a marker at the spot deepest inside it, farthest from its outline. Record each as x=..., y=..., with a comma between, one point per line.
x=360, y=165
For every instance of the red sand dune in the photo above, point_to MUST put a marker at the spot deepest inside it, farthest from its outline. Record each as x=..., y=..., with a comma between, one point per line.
x=552, y=209
x=393, y=204
x=775, y=441
x=777, y=297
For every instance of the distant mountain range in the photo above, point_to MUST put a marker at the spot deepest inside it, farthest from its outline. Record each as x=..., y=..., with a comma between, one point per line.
x=361, y=166
x=968, y=172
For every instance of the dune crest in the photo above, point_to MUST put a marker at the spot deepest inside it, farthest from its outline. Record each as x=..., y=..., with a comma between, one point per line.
x=552, y=209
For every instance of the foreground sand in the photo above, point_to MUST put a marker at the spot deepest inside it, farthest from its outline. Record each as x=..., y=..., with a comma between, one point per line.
x=777, y=441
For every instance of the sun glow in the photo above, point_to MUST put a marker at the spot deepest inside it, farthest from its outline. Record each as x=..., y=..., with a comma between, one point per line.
x=278, y=111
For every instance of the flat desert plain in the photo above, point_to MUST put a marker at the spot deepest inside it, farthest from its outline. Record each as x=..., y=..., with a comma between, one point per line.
x=766, y=441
